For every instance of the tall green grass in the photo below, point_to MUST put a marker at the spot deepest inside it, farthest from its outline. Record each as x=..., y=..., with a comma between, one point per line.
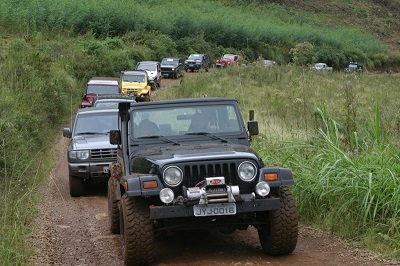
x=337, y=132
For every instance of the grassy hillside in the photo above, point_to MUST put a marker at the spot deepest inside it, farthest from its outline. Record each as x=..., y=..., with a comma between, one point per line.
x=267, y=30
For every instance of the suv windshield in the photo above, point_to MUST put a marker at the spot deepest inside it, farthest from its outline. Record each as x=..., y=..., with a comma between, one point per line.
x=194, y=57
x=96, y=122
x=170, y=61
x=180, y=121
x=148, y=67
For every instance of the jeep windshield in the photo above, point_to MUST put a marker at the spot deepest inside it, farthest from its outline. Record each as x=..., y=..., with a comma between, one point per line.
x=134, y=78
x=182, y=121
x=102, y=89
x=229, y=56
x=89, y=123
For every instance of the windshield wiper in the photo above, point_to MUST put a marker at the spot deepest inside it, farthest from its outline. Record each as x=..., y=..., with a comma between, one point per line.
x=160, y=138
x=89, y=133
x=208, y=135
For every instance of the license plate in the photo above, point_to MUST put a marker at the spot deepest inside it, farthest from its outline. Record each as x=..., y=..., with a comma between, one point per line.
x=106, y=169
x=215, y=209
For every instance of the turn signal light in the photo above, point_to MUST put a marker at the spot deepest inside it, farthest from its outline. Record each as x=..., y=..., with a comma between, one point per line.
x=271, y=177
x=149, y=184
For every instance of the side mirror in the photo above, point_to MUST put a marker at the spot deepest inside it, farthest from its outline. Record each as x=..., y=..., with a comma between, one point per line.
x=115, y=137
x=252, y=126
x=67, y=133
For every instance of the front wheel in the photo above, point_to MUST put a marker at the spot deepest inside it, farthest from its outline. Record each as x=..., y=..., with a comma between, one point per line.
x=147, y=97
x=279, y=234
x=137, y=232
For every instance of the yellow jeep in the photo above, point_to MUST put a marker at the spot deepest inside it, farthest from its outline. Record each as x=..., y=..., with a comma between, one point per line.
x=135, y=82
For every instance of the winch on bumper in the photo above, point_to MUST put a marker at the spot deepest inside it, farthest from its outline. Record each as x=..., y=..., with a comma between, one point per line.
x=214, y=198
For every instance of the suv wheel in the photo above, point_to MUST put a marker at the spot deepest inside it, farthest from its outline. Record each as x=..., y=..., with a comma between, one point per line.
x=113, y=211
x=76, y=186
x=147, y=97
x=137, y=232
x=279, y=235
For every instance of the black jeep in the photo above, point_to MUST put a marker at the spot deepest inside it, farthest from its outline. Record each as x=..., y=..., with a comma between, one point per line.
x=187, y=164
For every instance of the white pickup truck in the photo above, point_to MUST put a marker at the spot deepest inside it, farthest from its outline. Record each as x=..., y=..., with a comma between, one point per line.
x=321, y=67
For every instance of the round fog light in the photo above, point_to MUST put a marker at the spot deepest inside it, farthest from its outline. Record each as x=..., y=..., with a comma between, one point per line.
x=262, y=189
x=166, y=195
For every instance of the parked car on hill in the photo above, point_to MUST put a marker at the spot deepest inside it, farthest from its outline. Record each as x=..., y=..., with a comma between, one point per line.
x=153, y=70
x=112, y=100
x=268, y=63
x=227, y=59
x=99, y=86
x=135, y=82
x=197, y=62
x=89, y=152
x=354, y=67
x=321, y=67
x=172, y=67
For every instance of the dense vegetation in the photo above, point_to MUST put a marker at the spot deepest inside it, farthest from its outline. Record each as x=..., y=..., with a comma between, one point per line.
x=338, y=133
x=271, y=31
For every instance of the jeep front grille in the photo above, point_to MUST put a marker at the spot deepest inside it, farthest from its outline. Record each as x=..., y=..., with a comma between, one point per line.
x=193, y=173
x=103, y=154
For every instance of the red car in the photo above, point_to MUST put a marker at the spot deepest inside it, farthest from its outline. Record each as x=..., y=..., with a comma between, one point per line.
x=227, y=59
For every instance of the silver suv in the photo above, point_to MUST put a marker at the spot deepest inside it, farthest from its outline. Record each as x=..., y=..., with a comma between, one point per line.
x=89, y=151
x=153, y=70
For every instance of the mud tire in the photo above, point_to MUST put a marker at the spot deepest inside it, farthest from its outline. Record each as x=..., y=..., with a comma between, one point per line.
x=76, y=186
x=113, y=211
x=137, y=231
x=279, y=235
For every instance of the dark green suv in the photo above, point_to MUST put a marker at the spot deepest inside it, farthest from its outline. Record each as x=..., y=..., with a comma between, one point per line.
x=187, y=164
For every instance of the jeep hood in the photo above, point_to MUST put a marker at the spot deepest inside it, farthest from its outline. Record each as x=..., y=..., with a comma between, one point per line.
x=133, y=85
x=166, y=155
x=95, y=141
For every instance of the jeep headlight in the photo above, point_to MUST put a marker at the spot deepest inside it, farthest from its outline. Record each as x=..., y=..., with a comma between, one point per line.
x=80, y=155
x=247, y=171
x=173, y=176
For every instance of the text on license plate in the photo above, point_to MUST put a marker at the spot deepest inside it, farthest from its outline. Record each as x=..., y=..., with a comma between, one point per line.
x=215, y=209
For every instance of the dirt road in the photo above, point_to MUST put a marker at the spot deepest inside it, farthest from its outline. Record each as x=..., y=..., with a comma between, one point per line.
x=73, y=231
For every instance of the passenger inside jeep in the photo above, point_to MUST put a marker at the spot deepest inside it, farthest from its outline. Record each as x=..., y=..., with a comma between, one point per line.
x=200, y=123
x=147, y=128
